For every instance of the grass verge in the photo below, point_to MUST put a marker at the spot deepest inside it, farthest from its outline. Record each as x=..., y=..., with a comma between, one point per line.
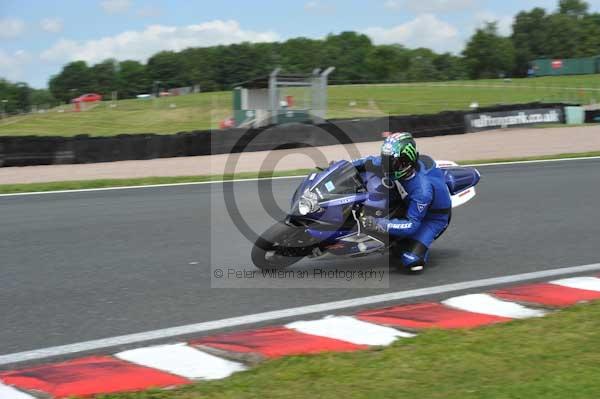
x=552, y=357
x=144, y=181
x=148, y=181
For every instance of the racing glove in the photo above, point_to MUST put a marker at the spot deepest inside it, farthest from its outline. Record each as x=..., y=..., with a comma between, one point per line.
x=370, y=223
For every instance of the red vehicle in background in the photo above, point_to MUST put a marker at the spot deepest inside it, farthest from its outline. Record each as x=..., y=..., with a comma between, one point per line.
x=87, y=98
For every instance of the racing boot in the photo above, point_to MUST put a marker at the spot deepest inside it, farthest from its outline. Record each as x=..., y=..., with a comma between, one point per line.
x=412, y=254
x=413, y=262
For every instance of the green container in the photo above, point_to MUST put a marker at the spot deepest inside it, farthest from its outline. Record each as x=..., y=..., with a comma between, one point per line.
x=574, y=115
x=243, y=115
x=568, y=66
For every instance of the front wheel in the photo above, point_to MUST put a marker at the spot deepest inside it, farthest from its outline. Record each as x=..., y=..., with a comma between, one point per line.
x=280, y=246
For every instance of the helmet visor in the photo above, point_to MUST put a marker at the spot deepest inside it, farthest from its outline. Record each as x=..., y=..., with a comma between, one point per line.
x=389, y=164
x=396, y=167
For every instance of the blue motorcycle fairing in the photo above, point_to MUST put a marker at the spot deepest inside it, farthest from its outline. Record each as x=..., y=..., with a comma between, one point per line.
x=351, y=199
x=328, y=235
x=305, y=184
x=334, y=209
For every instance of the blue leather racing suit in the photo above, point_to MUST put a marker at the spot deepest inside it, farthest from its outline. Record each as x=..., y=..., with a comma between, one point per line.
x=428, y=205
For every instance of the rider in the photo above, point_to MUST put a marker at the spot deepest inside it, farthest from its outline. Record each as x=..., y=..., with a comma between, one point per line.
x=422, y=190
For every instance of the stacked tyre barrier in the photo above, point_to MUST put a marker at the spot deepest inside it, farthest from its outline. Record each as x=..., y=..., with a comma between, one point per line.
x=592, y=116
x=37, y=150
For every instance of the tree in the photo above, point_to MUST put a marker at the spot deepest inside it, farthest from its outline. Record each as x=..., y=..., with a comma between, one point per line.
x=200, y=67
x=22, y=96
x=266, y=57
x=421, y=67
x=573, y=8
x=565, y=36
x=105, y=76
x=15, y=97
x=132, y=79
x=348, y=52
x=301, y=55
x=19, y=97
x=388, y=63
x=42, y=98
x=450, y=67
x=489, y=55
x=235, y=64
x=166, y=67
x=590, y=42
x=74, y=80
x=529, y=38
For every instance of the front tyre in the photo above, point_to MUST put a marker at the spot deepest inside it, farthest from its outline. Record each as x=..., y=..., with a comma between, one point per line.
x=280, y=246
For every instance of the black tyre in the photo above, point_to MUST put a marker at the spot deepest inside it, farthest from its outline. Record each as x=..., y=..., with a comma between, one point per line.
x=280, y=246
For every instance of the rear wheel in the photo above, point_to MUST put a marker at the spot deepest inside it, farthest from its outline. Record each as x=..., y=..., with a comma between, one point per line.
x=280, y=246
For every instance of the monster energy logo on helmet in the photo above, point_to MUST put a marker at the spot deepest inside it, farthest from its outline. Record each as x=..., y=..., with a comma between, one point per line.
x=410, y=151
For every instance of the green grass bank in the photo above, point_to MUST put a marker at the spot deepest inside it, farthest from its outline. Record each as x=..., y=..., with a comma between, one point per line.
x=205, y=110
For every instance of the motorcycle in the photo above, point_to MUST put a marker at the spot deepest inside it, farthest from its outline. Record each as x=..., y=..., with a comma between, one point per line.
x=327, y=208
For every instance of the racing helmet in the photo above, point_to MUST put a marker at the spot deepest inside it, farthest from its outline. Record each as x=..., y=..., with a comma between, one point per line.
x=399, y=156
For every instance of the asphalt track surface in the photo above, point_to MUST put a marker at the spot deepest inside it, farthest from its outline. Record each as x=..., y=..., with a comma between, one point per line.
x=88, y=265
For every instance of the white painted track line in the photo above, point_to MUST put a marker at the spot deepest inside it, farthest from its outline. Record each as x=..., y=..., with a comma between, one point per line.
x=272, y=178
x=285, y=313
x=349, y=329
x=182, y=360
x=582, y=283
x=7, y=392
x=532, y=161
x=487, y=304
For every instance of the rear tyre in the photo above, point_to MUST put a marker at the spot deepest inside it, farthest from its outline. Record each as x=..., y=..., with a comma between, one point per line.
x=280, y=246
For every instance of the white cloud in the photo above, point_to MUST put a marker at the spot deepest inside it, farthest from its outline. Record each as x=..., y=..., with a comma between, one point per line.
x=149, y=12
x=11, y=27
x=430, y=6
x=52, y=25
x=12, y=64
x=426, y=30
x=140, y=45
x=115, y=6
x=504, y=21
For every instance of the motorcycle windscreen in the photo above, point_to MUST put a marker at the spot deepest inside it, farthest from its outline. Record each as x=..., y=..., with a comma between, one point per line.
x=343, y=180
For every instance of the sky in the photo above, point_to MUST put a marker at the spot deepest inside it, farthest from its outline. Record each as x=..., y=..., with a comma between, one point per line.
x=37, y=37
